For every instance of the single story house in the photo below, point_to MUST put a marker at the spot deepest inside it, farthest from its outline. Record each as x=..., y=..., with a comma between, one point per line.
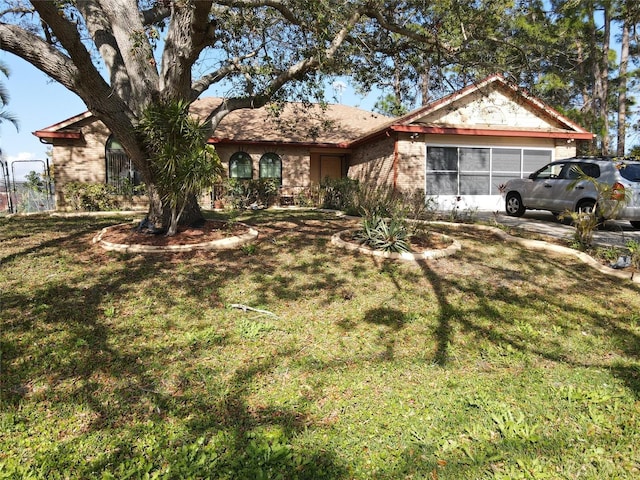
x=460, y=148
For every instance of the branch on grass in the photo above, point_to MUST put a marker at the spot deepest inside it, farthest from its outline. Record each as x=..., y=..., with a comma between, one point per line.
x=247, y=308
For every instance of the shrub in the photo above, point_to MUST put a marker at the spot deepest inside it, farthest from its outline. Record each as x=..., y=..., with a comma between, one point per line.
x=90, y=196
x=247, y=193
x=610, y=200
x=418, y=206
x=585, y=223
x=340, y=194
x=634, y=251
x=379, y=201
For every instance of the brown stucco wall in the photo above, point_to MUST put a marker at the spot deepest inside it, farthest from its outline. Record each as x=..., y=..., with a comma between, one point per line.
x=84, y=160
x=411, y=163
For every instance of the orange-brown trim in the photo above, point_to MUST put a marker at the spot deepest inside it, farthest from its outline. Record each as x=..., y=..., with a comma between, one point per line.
x=42, y=134
x=229, y=141
x=487, y=132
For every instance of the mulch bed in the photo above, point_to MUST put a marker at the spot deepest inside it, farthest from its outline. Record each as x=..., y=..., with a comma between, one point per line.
x=210, y=230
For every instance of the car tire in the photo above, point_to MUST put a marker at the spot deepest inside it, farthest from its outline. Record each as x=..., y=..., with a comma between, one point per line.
x=635, y=224
x=513, y=205
x=587, y=206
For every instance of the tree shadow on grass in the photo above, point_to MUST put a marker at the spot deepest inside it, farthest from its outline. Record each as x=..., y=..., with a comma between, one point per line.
x=491, y=299
x=216, y=429
x=82, y=352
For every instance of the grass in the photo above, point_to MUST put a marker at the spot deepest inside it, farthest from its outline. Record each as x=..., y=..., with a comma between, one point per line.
x=497, y=363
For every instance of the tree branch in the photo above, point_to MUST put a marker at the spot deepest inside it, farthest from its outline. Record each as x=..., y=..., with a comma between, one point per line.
x=294, y=72
x=232, y=65
x=275, y=4
x=102, y=35
x=41, y=55
x=391, y=26
x=190, y=31
x=155, y=14
x=134, y=47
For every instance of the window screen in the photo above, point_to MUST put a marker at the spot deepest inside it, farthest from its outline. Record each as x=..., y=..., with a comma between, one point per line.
x=474, y=159
x=442, y=183
x=478, y=170
x=271, y=166
x=474, y=184
x=534, y=160
x=240, y=166
x=507, y=160
x=442, y=158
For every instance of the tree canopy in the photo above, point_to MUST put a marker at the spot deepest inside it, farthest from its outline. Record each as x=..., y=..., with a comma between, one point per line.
x=120, y=56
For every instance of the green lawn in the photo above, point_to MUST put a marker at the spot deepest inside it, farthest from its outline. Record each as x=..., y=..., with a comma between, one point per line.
x=497, y=363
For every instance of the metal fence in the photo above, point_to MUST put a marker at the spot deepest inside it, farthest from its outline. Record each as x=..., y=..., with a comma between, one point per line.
x=25, y=193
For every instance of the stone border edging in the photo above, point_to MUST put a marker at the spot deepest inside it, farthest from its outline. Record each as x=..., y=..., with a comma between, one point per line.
x=221, y=244
x=549, y=247
x=99, y=214
x=336, y=239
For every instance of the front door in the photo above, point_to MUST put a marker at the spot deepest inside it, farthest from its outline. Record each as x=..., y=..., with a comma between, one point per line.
x=330, y=166
x=325, y=166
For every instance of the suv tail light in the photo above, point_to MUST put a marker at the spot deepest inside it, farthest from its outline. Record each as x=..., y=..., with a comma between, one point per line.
x=618, y=192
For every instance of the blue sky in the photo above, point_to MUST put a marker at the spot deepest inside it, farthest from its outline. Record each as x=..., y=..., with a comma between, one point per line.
x=39, y=102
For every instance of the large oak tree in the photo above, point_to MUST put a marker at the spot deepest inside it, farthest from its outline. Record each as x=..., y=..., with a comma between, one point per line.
x=120, y=56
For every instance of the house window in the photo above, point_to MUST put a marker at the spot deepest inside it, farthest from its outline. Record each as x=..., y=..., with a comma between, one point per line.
x=120, y=171
x=271, y=167
x=478, y=170
x=240, y=166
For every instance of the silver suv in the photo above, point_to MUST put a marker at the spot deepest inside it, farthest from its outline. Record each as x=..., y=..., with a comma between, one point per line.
x=554, y=187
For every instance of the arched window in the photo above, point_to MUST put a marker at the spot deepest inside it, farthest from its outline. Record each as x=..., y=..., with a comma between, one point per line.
x=271, y=167
x=120, y=171
x=240, y=166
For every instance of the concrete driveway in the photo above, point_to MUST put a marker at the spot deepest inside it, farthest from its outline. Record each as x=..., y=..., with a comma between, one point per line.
x=614, y=233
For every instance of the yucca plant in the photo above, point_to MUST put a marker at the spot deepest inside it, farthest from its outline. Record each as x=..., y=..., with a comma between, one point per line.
x=609, y=202
x=388, y=235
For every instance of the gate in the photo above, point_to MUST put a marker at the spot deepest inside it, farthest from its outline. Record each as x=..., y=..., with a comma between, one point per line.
x=33, y=192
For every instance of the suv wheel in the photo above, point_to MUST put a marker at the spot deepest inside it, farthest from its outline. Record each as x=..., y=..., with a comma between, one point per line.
x=513, y=205
x=588, y=206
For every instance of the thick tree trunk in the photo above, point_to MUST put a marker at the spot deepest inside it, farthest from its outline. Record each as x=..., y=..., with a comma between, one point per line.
x=192, y=214
x=159, y=214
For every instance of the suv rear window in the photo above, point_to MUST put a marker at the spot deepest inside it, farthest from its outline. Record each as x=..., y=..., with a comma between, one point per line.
x=630, y=171
x=589, y=169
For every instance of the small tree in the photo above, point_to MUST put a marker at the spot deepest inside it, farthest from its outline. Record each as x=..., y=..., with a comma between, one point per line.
x=610, y=199
x=181, y=160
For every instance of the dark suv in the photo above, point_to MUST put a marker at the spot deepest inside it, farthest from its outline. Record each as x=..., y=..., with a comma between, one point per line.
x=554, y=187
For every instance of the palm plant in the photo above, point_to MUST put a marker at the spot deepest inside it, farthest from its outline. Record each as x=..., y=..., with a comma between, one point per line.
x=183, y=164
x=610, y=200
x=4, y=99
